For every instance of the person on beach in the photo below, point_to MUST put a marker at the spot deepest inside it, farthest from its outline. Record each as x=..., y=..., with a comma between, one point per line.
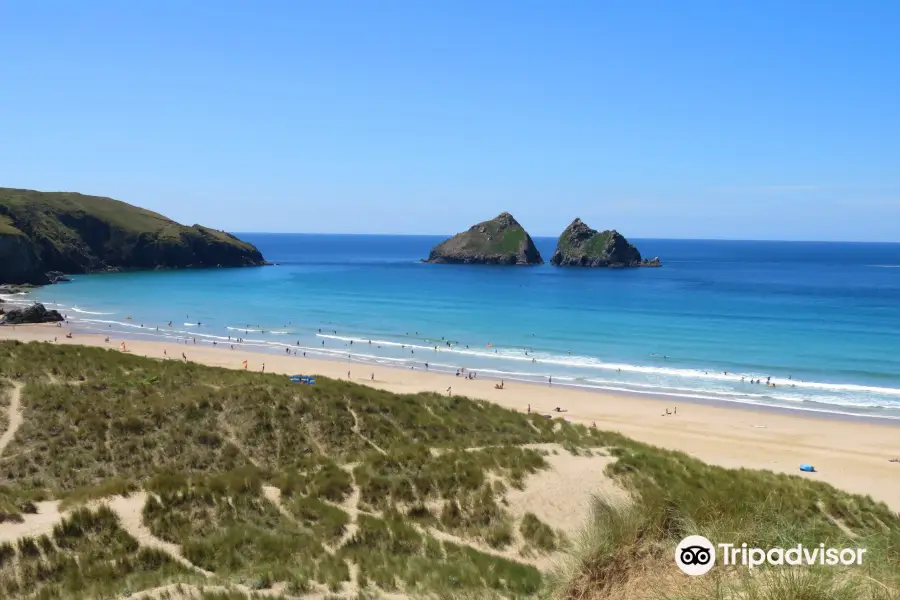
x=263, y=370
x=184, y=357
x=243, y=363
x=426, y=366
x=529, y=409
x=165, y=353
x=373, y=376
x=448, y=391
x=348, y=374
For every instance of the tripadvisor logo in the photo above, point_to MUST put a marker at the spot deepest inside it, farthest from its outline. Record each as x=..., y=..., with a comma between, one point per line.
x=696, y=555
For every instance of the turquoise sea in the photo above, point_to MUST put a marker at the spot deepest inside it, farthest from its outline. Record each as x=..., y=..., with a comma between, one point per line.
x=821, y=319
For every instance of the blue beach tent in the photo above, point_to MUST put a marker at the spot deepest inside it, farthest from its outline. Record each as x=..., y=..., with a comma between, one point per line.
x=808, y=468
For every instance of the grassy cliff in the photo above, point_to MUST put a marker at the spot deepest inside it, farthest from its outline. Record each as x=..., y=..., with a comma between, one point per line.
x=170, y=473
x=74, y=233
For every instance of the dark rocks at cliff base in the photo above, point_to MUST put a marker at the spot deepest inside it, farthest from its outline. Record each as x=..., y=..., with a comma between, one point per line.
x=57, y=277
x=36, y=313
x=581, y=246
x=500, y=241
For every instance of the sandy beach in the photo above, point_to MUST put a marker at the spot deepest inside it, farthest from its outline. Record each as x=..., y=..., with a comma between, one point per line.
x=851, y=455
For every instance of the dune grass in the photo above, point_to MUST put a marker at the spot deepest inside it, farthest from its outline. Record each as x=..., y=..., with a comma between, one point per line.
x=204, y=443
x=87, y=556
x=627, y=551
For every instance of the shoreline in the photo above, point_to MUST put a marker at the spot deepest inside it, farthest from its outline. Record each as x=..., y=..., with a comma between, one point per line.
x=747, y=398
x=851, y=453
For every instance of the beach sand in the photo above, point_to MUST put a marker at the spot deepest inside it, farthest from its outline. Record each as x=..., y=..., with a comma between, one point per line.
x=850, y=454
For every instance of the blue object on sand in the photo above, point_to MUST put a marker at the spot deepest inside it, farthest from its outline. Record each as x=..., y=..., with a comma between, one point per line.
x=808, y=468
x=306, y=379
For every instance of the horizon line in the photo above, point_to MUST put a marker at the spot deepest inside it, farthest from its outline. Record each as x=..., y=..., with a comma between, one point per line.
x=667, y=239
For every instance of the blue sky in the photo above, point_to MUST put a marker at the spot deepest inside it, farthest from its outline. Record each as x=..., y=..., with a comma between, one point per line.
x=752, y=120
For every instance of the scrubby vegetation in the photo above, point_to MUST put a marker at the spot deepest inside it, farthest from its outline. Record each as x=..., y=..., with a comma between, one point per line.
x=87, y=556
x=339, y=489
x=362, y=476
x=627, y=550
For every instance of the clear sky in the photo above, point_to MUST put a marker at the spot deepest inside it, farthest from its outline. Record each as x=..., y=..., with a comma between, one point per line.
x=719, y=119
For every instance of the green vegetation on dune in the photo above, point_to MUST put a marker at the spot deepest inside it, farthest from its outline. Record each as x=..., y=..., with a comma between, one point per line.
x=205, y=442
x=88, y=555
x=75, y=233
x=261, y=482
x=627, y=551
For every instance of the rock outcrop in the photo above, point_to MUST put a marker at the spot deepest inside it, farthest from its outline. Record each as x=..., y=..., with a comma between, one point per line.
x=500, y=241
x=36, y=313
x=46, y=234
x=582, y=246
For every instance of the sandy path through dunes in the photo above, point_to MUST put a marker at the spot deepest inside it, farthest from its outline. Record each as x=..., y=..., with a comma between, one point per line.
x=561, y=495
x=129, y=510
x=33, y=525
x=14, y=412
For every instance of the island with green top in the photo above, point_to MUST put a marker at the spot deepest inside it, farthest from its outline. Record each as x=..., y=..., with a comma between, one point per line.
x=581, y=246
x=500, y=241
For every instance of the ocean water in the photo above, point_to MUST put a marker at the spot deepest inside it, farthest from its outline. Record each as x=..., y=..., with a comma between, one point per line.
x=822, y=320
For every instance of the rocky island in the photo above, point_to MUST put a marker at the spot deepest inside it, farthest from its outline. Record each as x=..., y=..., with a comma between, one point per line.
x=581, y=246
x=46, y=234
x=500, y=241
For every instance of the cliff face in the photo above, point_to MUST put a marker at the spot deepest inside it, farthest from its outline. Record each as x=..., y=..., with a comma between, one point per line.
x=582, y=246
x=74, y=233
x=19, y=262
x=500, y=241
